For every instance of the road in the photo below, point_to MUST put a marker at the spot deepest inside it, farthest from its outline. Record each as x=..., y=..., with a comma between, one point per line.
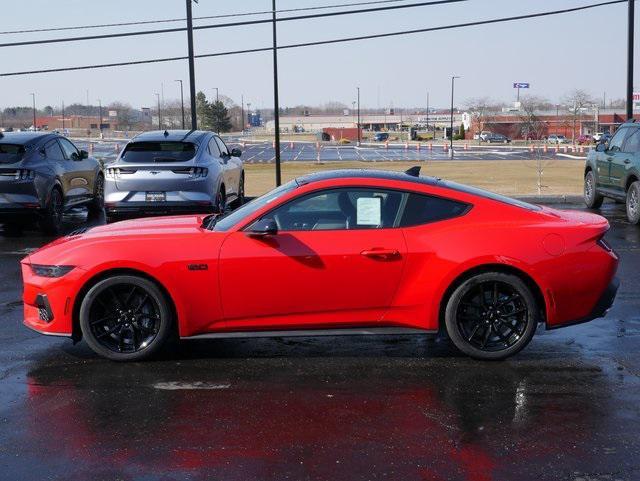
x=334, y=408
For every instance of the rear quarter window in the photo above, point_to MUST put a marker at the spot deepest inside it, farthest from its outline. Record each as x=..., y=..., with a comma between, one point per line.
x=424, y=209
x=158, y=152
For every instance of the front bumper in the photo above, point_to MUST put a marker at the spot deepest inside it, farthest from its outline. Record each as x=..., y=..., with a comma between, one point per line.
x=600, y=309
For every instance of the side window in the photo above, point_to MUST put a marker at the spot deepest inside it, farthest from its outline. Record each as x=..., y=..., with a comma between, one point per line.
x=422, y=209
x=222, y=146
x=615, y=145
x=69, y=149
x=632, y=145
x=53, y=151
x=213, y=148
x=340, y=209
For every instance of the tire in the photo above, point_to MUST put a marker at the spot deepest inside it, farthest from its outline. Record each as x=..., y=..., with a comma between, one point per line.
x=51, y=223
x=125, y=318
x=96, y=206
x=240, y=200
x=592, y=199
x=633, y=203
x=505, y=309
x=220, y=205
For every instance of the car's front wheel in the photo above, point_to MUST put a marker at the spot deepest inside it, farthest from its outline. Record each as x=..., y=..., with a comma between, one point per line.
x=96, y=206
x=491, y=316
x=592, y=199
x=633, y=203
x=125, y=318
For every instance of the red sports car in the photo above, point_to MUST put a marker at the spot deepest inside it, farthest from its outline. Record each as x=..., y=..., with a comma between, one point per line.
x=338, y=252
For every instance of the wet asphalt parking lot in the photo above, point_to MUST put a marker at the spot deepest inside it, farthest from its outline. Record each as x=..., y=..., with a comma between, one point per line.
x=326, y=408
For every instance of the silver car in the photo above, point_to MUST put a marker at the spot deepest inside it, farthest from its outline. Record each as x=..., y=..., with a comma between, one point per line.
x=175, y=171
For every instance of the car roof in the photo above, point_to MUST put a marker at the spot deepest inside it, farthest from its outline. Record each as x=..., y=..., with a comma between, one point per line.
x=24, y=138
x=171, y=136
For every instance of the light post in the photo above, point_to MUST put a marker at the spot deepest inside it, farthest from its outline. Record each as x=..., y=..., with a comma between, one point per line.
x=192, y=70
x=248, y=113
x=216, y=89
x=181, y=101
x=451, y=134
x=33, y=96
x=63, y=116
x=428, y=115
x=276, y=102
x=100, y=116
x=242, y=113
x=358, y=124
x=630, y=32
x=159, y=116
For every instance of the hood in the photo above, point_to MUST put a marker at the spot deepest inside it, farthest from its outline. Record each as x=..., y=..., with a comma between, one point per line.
x=118, y=232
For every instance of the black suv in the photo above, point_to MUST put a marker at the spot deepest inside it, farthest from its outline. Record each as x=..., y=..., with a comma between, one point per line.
x=41, y=175
x=613, y=170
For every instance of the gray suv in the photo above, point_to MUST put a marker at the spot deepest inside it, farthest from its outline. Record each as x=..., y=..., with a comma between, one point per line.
x=41, y=175
x=613, y=170
x=175, y=171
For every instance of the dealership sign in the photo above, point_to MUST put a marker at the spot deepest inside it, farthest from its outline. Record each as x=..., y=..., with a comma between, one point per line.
x=521, y=85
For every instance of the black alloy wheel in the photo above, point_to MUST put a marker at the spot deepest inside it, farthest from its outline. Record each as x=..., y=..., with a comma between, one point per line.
x=241, y=190
x=220, y=203
x=491, y=316
x=125, y=318
x=592, y=199
x=52, y=221
x=97, y=203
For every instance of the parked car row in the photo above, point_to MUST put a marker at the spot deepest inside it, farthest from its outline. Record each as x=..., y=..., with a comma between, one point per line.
x=44, y=174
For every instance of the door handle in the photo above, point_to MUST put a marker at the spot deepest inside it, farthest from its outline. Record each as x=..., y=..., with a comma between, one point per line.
x=380, y=253
x=610, y=159
x=627, y=161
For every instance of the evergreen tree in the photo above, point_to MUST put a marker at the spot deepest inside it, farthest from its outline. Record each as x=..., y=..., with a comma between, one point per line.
x=220, y=117
x=203, y=110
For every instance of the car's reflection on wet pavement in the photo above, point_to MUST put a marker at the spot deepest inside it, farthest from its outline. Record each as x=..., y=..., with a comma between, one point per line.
x=335, y=408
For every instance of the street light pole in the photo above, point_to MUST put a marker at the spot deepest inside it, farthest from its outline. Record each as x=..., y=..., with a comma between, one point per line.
x=100, y=116
x=630, y=33
x=427, y=115
x=216, y=89
x=33, y=96
x=192, y=70
x=182, y=101
x=242, y=113
x=63, y=116
x=451, y=134
x=359, y=135
x=276, y=103
x=159, y=116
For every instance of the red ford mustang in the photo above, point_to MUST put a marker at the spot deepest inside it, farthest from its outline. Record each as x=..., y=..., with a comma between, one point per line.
x=329, y=253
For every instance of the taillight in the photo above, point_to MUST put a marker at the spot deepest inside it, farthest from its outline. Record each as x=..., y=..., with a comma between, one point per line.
x=199, y=172
x=25, y=174
x=604, y=244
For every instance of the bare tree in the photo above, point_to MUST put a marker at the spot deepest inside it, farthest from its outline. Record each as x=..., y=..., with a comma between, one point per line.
x=481, y=111
x=576, y=102
x=533, y=127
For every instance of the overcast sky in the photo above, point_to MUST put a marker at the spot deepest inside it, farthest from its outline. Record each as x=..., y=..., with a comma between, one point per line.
x=555, y=54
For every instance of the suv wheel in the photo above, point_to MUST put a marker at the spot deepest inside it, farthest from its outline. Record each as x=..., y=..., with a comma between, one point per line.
x=52, y=220
x=633, y=203
x=592, y=199
x=97, y=203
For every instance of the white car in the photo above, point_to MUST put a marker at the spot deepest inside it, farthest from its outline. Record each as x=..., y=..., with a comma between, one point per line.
x=557, y=139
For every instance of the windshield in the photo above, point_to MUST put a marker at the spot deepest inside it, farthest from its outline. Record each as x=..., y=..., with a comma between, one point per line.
x=229, y=220
x=10, y=153
x=147, y=152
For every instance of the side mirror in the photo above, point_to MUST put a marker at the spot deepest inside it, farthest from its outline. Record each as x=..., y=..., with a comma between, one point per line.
x=236, y=152
x=264, y=227
x=602, y=146
x=84, y=154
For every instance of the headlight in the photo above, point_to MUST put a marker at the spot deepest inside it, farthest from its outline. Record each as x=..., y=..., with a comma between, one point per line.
x=50, y=271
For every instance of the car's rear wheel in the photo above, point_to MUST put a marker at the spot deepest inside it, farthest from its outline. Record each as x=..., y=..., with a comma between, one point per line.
x=240, y=200
x=633, y=203
x=491, y=316
x=220, y=202
x=125, y=318
x=592, y=199
x=52, y=220
x=96, y=206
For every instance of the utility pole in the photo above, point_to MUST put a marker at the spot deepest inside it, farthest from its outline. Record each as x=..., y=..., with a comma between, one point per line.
x=216, y=89
x=33, y=96
x=451, y=134
x=359, y=136
x=192, y=70
x=630, y=33
x=276, y=103
x=428, y=114
x=242, y=113
x=63, y=116
x=159, y=116
x=182, y=101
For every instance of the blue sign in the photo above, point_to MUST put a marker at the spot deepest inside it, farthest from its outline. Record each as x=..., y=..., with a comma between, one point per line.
x=521, y=85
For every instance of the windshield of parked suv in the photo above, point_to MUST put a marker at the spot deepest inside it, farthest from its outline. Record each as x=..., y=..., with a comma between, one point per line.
x=229, y=220
x=10, y=153
x=158, y=152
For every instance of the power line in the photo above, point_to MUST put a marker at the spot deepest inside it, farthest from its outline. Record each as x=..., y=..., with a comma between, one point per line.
x=209, y=17
x=223, y=25
x=325, y=42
